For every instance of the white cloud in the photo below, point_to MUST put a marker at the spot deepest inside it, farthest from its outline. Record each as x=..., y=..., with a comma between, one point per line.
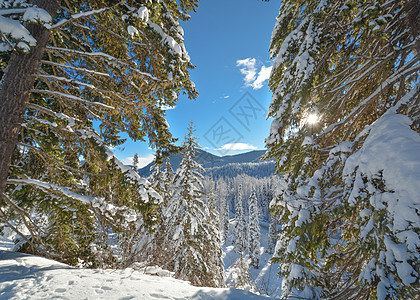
x=248, y=67
x=226, y=97
x=263, y=75
x=128, y=160
x=143, y=160
x=237, y=146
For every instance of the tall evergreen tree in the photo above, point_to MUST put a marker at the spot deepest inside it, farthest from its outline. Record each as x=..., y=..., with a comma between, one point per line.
x=136, y=161
x=82, y=73
x=156, y=177
x=345, y=134
x=254, y=231
x=152, y=247
x=216, y=240
x=189, y=234
x=168, y=180
x=241, y=226
x=224, y=208
x=221, y=191
x=272, y=235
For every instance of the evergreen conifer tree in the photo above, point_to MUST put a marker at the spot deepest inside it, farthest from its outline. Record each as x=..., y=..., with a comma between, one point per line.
x=225, y=220
x=152, y=248
x=272, y=235
x=156, y=177
x=216, y=239
x=82, y=74
x=242, y=280
x=168, y=181
x=241, y=226
x=221, y=190
x=136, y=161
x=345, y=134
x=189, y=231
x=254, y=231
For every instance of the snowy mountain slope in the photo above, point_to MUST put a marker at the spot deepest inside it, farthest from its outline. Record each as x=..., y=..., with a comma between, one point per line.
x=25, y=276
x=208, y=160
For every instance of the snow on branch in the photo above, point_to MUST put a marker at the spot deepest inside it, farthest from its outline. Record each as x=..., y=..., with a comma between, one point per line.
x=104, y=56
x=96, y=202
x=88, y=85
x=78, y=16
x=70, y=120
x=12, y=11
x=390, y=80
x=135, y=178
x=74, y=68
x=16, y=31
x=175, y=48
x=54, y=187
x=68, y=80
x=13, y=28
x=69, y=96
x=45, y=155
x=84, y=14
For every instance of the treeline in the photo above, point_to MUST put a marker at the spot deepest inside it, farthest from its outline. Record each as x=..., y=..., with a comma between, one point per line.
x=258, y=170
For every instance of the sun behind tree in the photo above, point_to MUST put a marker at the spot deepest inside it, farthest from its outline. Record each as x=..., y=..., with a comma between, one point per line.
x=348, y=200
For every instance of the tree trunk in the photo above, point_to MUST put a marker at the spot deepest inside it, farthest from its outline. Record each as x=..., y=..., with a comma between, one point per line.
x=15, y=90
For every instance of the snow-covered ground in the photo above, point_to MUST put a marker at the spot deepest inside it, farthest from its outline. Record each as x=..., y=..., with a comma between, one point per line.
x=25, y=276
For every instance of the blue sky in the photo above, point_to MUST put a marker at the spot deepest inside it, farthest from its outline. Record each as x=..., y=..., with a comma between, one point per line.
x=228, y=42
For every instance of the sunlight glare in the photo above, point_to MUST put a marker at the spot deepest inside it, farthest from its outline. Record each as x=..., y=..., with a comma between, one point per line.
x=312, y=119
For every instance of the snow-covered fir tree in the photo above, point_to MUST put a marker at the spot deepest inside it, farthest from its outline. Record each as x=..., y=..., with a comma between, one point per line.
x=224, y=215
x=148, y=246
x=168, y=180
x=211, y=201
x=272, y=234
x=241, y=227
x=190, y=234
x=136, y=161
x=156, y=177
x=266, y=197
x=214, y=227
x=345, y=134
x=76, y=80
x=222, y=192
x=152, y=248
x=254, y=231
x=242, y=276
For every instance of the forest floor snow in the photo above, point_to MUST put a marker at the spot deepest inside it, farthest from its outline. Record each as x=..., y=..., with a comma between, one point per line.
x=24, y=276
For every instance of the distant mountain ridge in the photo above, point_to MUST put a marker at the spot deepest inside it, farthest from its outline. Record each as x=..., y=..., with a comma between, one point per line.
x=248, y=163
x=254, y=169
